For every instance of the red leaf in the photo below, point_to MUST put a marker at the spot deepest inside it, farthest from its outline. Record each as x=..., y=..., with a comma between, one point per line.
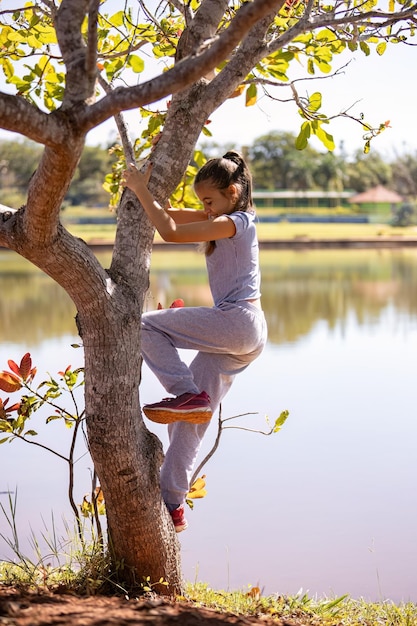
x=3, y=402
x=159, y=307
x=177, y=304
x=14, y=367
x=25, y=365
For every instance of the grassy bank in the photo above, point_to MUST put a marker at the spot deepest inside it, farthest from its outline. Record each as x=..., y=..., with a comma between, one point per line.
x=202, y=604
x=304, y=609
x=104, y=233
x=95, y=232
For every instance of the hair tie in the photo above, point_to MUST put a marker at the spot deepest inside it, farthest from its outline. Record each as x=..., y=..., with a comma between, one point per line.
x=233, y=156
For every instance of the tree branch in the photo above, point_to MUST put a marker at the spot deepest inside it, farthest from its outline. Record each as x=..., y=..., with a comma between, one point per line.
x=20, y=116
x=91, y=56
x=184, y=72
x=80, y=84
x=363, y=18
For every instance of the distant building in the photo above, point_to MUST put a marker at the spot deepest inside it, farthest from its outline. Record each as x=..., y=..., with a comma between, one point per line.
x=377, y=198
x=288, y=199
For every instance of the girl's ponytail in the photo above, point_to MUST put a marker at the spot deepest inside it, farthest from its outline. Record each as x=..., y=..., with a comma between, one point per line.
x=243, y=179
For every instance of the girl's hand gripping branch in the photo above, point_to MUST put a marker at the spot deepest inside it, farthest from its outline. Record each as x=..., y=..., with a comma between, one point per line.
x=136, y=180
x=138, y=183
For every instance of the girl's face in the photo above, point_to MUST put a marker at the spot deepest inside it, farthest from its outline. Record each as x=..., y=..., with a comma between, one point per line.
x=216, y=201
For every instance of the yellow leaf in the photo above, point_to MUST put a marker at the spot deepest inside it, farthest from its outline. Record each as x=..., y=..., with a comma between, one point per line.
x=197, y=489
x=9, y=382
x=381, y=47
x=255, y=593
x=99, y=495
x=251, y=95
x=238, y=92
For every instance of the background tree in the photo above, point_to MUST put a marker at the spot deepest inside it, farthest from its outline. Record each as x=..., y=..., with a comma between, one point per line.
x=18, y=161
x=404, y=175
x=87, y=185
x=366, y=171
x=277, y=164
x=68, y=67
x=330, y=172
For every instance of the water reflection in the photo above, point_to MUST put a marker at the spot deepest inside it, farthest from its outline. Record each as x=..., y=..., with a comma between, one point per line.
x=302, y=289
x=329, y=503
x=299, y=290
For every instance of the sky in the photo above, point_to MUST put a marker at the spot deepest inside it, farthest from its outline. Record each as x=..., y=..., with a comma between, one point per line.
x=379, y=87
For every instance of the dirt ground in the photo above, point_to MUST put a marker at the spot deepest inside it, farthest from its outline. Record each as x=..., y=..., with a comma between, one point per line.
x=18, y=608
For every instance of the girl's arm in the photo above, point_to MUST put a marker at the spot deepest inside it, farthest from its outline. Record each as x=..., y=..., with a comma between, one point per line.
x=172, y=224
x=185, y=216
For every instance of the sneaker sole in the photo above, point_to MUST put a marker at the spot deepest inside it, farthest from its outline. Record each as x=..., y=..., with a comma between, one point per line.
x=161, y=416
x=180, y=528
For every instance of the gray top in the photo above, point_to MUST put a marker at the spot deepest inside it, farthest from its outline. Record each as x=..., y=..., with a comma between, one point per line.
x=233, y=267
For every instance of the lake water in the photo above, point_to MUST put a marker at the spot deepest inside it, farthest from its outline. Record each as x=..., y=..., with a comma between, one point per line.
x=327, y=505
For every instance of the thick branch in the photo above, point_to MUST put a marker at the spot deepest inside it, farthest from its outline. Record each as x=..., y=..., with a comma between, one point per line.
x=20, y=116
x=201, y=28
x=47, y=190
x=68, y=22
x=91, y=57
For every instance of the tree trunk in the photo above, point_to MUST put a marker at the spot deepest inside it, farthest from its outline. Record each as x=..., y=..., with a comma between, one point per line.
x=127, y=457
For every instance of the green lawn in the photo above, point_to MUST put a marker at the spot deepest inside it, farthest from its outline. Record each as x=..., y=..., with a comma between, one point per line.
x=288, y=231
x=104, y=233
x=269, y=232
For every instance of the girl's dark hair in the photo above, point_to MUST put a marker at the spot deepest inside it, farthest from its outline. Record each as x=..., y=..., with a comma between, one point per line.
x=230, y=169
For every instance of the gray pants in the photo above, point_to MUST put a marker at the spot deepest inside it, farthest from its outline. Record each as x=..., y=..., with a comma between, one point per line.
x=228, y=339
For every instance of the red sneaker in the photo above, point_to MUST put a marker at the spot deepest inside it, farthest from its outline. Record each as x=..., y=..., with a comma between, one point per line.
x=178, y=518
x=188, y=407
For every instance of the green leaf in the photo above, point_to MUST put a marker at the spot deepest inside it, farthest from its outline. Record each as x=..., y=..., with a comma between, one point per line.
x=303, y=137
x=117, y=18
x=7, y=68
x=326, y=35
x=365, y=48
x=199, y=158
x=136, y=63
x=326, y=139
x=280, y=421
x=315, y=101
x=32, y=433
x=53, y=417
